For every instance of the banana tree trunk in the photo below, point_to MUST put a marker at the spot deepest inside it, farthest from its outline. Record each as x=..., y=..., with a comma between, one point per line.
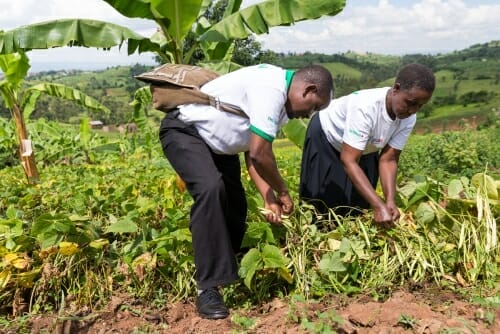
x=25, y=148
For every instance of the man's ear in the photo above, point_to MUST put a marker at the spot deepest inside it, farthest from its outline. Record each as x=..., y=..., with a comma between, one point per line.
x=310, y=88
x=396, y=86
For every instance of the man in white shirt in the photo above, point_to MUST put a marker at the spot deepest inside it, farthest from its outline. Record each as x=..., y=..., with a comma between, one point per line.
x=202, y=144
x=358, y=139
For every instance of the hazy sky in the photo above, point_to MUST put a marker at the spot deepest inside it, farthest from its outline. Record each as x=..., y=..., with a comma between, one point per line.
x=385, y=26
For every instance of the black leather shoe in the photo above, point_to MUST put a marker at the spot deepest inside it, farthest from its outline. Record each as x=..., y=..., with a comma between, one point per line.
x=210, y=305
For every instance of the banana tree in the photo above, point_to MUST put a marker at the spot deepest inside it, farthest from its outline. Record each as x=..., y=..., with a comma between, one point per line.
x=15, y=64
x=21, y=102
x=176, y=18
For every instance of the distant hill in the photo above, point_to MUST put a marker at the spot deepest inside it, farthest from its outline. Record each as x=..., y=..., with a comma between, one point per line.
x=467, y=87
x=468, y=83
x=484, y=51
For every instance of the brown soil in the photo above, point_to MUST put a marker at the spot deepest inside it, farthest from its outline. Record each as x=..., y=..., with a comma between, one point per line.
x=424, y=311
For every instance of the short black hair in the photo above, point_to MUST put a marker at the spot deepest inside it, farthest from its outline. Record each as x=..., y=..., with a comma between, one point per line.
x=416, y=75
x=319, y=76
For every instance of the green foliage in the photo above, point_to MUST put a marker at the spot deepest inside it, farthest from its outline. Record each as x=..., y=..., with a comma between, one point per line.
x=244, y=322
x=246, y=51
x=261, y=16
x=108, y=216
x=407, y=321
x=481, y=96
x=216, y=39
x=295, y=131
x=59, y=91
x=326, y=322
x=313, y=322
x=451, y=153
x=14, y=67
x=476, y=52
x=83, y=234
x=113, y=87
x=8, y=143
x=71, y=32
x=458, y=152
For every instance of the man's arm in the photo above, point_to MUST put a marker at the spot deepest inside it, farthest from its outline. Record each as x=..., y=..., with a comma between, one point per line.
x=261, y=158
x=388, y=169
x=270, y=201
x=350, y=160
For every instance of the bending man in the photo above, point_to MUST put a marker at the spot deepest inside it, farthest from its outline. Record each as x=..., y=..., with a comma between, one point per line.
x=358, y=139
x=202, y=144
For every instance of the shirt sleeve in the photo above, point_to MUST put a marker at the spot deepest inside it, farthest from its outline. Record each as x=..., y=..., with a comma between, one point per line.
x=266, y=105
x=400, y=137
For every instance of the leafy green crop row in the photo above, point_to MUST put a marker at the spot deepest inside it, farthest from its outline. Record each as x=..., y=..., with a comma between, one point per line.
x=118, y=222
x=461, y=153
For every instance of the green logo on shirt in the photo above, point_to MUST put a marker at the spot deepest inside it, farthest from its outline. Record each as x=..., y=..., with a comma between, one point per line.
x=356, y=133
x=272, y=120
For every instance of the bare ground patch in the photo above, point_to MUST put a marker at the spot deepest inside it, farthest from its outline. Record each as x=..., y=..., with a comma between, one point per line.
x=404, y=311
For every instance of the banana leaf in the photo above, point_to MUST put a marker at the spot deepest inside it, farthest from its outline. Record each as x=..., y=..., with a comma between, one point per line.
x=60, y=91
x=259, y=18
x=175, y=17
x=15, y=67
x=295, y=131
x=73, y=32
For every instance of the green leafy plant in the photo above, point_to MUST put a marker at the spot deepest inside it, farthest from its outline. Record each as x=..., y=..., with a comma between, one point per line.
x=263, y=259
x=313, y=322
x=407, y=321
x=216, y=41
x=21, y=102
x=326, y=323
x=121, y=224
x=245, y=323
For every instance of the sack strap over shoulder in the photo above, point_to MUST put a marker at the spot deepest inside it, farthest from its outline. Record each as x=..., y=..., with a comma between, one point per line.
x=227, y=107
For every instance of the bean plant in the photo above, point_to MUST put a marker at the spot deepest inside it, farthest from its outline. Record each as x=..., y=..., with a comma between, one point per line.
x=108, y=216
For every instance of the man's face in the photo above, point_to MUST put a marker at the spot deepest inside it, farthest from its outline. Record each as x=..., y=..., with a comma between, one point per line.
x=407, y=102
x=302, y=103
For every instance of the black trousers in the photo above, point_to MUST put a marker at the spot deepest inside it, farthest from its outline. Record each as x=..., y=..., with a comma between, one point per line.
x=323, y=180
x=219, y=210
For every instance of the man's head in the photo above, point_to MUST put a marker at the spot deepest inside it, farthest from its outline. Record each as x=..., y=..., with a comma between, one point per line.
x=311, y=90
x=413, y=88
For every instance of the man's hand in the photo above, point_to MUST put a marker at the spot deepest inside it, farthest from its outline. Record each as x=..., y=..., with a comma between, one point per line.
x=394, y=211
x=276, y=209
x=383, y=216
x=273, y=213
x=286, y=202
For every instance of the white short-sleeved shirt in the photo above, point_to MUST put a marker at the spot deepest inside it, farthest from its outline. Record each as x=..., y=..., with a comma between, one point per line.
x=360, y=120
x=259, y=90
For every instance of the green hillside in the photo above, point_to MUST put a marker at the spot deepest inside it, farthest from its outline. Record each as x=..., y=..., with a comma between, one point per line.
x=343, y=70
x=468, y=84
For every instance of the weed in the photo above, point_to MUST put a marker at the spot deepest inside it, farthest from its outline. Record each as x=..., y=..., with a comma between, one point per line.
x=407, y=321
x=296, y=311
x=242, y=321
x=326, y=323
x=20, y=325
x=159, y=301
x=486, y=316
